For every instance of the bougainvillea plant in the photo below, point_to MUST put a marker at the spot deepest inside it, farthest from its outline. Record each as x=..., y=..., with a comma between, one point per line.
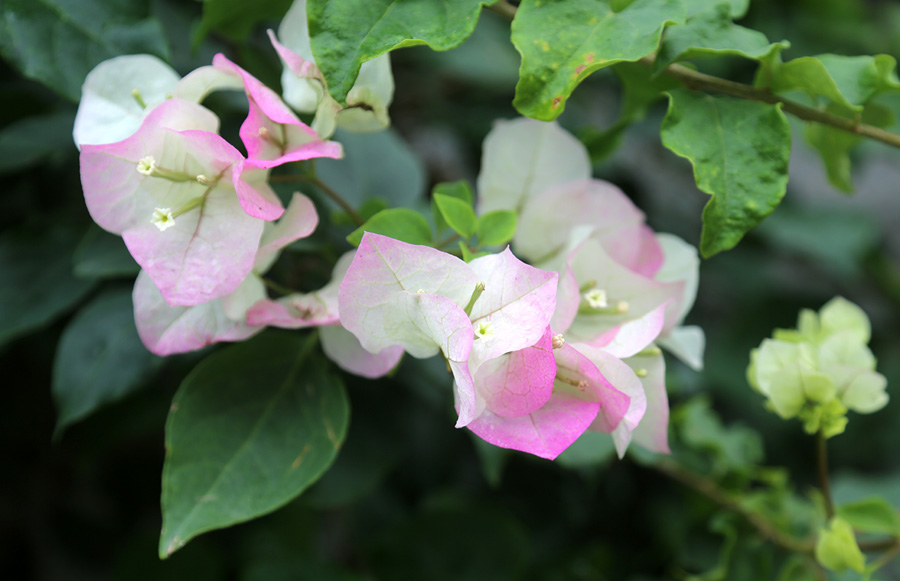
x=553, y=307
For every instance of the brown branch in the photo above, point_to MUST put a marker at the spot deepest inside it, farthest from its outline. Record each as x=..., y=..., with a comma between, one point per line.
x=712, y=491
x=822, y=466
x=504, y=9
x=696, y=81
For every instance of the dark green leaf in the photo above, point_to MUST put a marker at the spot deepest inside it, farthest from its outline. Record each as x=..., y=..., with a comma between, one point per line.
x=99, y=359
x=562, y=42
x=57, y=42
x=249, y=429
x=374, y=164
x=871, y=515
x=458, y=214
x=399, y=223
x=103, y=255
x=711, y=33
x=343, y=35
x=740, y=152
x=29, y=141
x=36, y=280
x=496, y=227
x=236, y=19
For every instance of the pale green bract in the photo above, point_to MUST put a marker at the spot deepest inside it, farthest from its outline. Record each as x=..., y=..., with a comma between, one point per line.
x=836, y=548
x=821, y=369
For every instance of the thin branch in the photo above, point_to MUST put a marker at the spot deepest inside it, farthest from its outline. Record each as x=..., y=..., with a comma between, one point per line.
x=878, y=545
x=449, y=239
x=886, y=557
x=504, y=9
x=822, y=465
x=336, y=197
x=278, y=288
x=699, y=81
x=712, y=491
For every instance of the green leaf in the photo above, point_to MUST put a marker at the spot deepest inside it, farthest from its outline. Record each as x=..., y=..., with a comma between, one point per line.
x=740, y=152
x=36, y=280
x=738, y=8
x=459, y=190
x=711, y=33
x=236, y=19
x=641, y=87
x=26, y=142
x=103, y=255
x=871, y=515
x=99, y=359
x=399, y=223
x=458, y=214
x=497, y=227
x=847, y=81
x=834, y=145
x=562, y=42
x=343, y=35
x=250, y=428
x=57, y=42
x=836, y=548
x=374, y=164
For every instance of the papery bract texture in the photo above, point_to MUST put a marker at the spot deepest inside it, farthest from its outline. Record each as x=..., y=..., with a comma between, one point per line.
x=547, y=219
x=306, y=91
x=384, y=268
x=518, y=383
x=652, y=431
x=523, y=157
x=117, y=94
x=515, y=308
x=342, y=347
x=176, y=164
x=545, y=432
x=166, y=329
x=272, y=133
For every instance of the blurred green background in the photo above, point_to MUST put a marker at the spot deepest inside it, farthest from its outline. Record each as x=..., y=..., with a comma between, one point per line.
x=410, y=497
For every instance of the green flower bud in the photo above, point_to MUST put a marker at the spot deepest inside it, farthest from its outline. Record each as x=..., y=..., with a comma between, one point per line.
x=836, y=548
x=820, y=370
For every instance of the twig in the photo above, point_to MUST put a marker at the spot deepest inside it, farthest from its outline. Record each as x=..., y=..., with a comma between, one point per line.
x=336, y=197
x=697, y=81
x=504, y=9
x=711, y=490
x=822, y=465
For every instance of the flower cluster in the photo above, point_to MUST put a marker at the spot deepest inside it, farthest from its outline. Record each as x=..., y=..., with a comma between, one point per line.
x=539, y=352
x=821, y=369
x=197, y=215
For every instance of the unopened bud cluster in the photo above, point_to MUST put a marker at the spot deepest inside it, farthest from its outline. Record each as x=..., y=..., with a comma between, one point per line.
x=821, y=369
